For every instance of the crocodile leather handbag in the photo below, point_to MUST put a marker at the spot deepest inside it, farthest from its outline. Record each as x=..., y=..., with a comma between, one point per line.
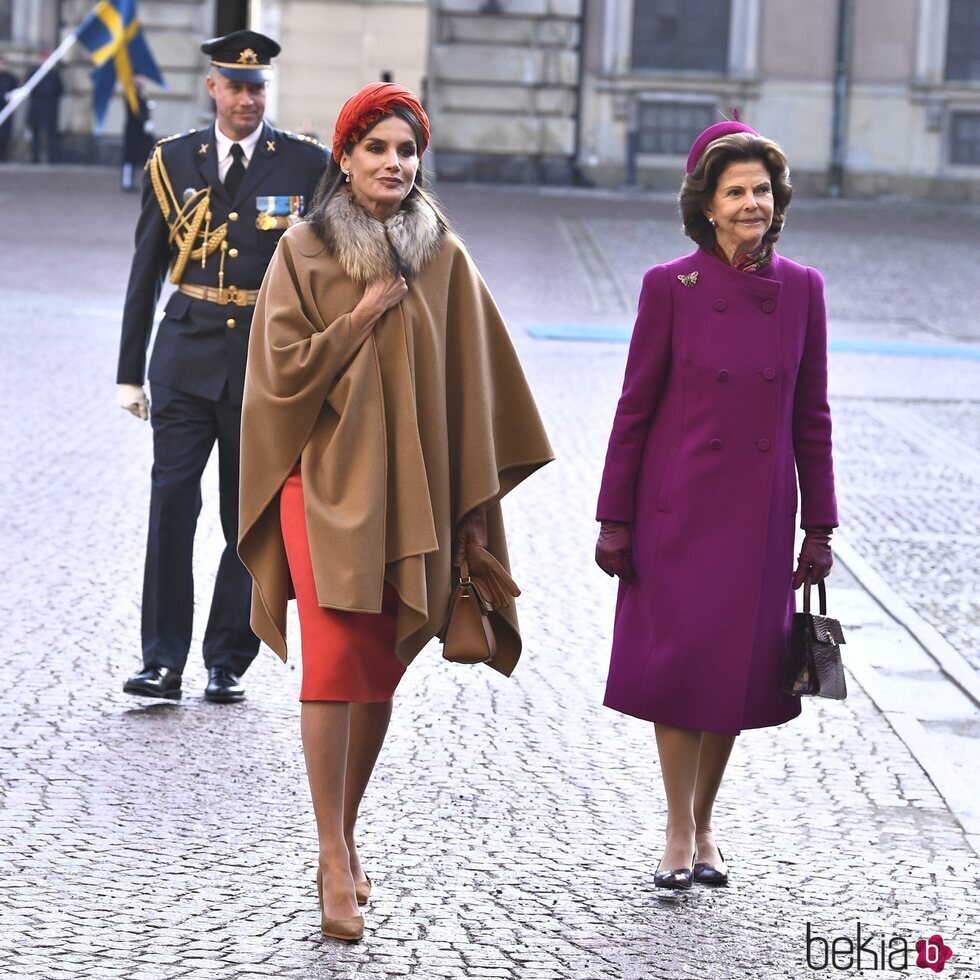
x=467, y=637
x=813, y=664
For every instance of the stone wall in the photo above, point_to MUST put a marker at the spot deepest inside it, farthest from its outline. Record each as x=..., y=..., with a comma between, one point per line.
x=897, y=116
x=503, y=89
x=333, y=47
x=174, y=30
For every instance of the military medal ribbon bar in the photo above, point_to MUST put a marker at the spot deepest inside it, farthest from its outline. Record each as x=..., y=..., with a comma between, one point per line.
x=277, y=212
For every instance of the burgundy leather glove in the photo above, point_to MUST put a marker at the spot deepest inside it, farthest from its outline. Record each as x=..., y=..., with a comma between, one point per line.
x=614, y=550
x=815, y=556
x=489, y=576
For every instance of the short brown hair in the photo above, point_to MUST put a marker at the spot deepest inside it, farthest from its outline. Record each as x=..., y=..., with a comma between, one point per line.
x=700, y=185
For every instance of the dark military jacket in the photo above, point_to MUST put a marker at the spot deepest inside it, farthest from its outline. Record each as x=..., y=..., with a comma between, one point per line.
x=201, y=346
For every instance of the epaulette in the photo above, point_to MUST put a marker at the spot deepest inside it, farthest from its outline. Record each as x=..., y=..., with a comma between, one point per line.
x=176, y=136
x=305, y=139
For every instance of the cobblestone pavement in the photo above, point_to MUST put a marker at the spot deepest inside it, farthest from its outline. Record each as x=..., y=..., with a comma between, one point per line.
x=908, y=455
x=513, y=827
x=911, y=475
x=869, y=286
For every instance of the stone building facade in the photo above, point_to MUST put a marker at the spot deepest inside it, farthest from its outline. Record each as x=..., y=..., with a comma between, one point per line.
x=875, y=96
x=174, y=29
x=504, y=90
x=330, y=48
x=333, y=47
x=867, y=96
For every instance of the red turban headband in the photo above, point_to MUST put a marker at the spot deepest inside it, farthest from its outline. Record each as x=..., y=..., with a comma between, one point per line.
x=363, y=109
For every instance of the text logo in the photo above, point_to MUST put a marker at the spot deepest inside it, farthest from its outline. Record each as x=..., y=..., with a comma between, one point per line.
x=864, y=950
x=933, y=953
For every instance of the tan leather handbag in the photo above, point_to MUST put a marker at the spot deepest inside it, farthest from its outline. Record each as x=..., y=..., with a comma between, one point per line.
x=467, y=637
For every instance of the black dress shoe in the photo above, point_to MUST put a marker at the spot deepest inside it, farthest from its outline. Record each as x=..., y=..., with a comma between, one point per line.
x=708, y=874
x=155, y=682
x=223, y=686
x=679, y=879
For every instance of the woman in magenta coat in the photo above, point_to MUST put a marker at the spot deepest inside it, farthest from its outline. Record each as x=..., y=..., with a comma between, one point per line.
x=724, y=404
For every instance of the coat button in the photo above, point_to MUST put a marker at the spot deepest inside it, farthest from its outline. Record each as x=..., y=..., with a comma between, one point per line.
x=720, y=305
x=233, y=252
x=768, y=306
x=763, y=445
x=769, y=374
x=723, y=375
x=716, y=445
x=234, y=217
x=230, y=323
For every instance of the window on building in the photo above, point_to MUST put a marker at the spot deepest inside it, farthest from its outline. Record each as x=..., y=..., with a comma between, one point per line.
x=681, y=35
x=671, y=127
x=963, y=41
x=964, y=138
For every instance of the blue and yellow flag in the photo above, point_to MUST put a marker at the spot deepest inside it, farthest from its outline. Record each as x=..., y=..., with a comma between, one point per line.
x=113, y=36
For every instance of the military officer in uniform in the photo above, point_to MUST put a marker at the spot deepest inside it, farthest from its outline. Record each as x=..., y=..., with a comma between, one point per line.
x=215, y=203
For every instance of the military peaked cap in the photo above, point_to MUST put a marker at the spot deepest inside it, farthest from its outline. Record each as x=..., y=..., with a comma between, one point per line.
x=244, y=56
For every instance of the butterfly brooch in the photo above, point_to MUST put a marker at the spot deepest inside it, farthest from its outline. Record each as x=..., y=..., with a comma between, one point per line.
x=690, y=279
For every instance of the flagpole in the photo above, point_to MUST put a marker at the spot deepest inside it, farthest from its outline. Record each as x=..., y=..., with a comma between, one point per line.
x=18, y=95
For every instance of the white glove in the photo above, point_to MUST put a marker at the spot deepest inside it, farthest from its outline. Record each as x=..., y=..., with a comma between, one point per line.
x=133, y=399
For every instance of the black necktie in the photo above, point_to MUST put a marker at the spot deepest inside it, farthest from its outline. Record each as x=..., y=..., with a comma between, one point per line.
x=236, y=171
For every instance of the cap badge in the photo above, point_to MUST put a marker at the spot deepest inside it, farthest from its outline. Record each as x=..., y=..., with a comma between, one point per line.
x=248, y=57
x=690, y=279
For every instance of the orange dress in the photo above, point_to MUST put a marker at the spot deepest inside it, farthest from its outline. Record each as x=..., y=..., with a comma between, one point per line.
x=347, y=656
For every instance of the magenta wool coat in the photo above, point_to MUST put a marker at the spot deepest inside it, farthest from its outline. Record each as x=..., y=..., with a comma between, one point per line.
x=724, y=403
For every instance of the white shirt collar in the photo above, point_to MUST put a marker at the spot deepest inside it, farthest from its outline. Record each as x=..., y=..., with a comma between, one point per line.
x=223, y=144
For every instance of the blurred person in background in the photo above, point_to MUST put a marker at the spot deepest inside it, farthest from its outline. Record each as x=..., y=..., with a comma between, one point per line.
x=386, y=414
x=42, y=112
x=137, y=135
x=8, y=82
x=724, y=403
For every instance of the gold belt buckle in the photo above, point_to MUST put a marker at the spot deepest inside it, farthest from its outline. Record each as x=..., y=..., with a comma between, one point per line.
x=232, y=294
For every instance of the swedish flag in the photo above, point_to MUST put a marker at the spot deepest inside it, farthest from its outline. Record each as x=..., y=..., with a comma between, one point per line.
x=113, y=36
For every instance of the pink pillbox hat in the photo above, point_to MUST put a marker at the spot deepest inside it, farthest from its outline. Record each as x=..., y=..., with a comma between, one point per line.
x=711, y=134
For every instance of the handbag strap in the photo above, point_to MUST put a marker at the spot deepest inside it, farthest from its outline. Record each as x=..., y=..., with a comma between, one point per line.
x=468, y=583
x=821, y=592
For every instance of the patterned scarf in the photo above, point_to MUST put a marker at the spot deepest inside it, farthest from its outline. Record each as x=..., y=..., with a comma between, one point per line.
x=753, y=261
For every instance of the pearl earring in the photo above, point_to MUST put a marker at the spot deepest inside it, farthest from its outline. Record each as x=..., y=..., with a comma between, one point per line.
x=711, y=221
x=347, y=176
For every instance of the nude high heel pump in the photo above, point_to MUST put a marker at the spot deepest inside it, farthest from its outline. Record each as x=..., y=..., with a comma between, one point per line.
x=348, y=930
x=362, y=889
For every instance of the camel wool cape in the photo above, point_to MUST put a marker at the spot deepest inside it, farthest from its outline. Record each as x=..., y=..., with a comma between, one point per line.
x=429, y=419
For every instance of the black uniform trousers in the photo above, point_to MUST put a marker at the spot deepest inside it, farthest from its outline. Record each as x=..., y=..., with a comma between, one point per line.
x=185, y=429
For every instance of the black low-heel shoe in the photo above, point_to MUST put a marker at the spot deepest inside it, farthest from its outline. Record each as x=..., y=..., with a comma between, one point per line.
x=708, y=874
x=155, y=682
x=679, y=879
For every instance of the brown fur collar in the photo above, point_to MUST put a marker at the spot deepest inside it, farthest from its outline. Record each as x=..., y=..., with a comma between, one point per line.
x=366, y=248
